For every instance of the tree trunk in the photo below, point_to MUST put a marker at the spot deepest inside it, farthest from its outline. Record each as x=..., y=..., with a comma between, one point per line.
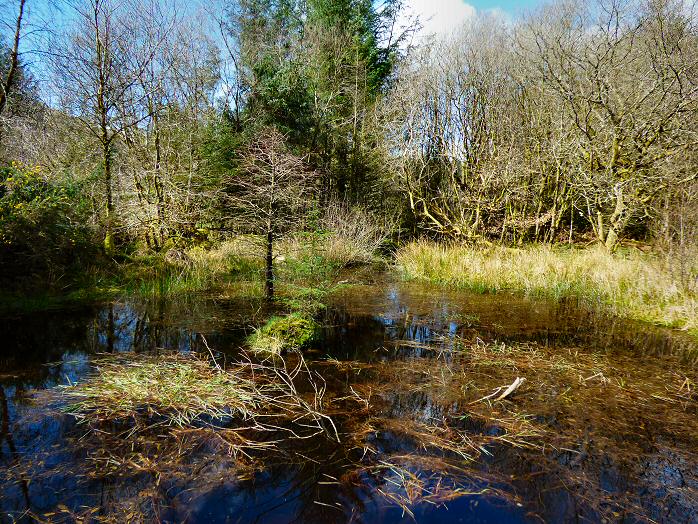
x=108, y=235
x=159, y=189
x=269, y=281
x=6, y=85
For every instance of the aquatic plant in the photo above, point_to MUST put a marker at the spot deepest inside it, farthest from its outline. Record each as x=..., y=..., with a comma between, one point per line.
x=187, y=391
x=292, y=331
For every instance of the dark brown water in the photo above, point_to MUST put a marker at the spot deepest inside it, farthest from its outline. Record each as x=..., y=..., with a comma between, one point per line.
x=605, y=427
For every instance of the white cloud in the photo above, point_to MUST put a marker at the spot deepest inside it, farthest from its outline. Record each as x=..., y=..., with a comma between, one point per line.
x=441, y=17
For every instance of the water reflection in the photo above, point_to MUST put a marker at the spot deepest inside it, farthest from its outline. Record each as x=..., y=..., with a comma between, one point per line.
x=640, y=469
x=421, y=313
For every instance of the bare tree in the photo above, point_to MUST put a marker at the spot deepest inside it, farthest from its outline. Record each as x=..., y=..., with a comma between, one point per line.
x=581, y=108
x=98, y=67
x=163, y=195
x=270, y=194
x=623, y=81
x=454, y=119
x=7, y=83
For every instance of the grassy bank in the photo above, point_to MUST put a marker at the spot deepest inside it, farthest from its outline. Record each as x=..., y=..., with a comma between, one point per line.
x=629, y=284
x=307, y=267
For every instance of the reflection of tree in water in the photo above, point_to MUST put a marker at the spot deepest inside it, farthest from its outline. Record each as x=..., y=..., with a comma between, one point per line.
x=417, y=312
x=6, y=436
x=317, y=481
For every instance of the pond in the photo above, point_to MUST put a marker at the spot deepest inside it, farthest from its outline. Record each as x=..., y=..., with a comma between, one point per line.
x=415, y=379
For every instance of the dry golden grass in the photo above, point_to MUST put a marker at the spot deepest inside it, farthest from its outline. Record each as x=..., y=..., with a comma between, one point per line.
x=629, y=284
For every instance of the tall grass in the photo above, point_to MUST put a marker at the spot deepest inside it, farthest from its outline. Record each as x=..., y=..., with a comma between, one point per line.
x=192, y=270
x=306, y=260
x=630, y=284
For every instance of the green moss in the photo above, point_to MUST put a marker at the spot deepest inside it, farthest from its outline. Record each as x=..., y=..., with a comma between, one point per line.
x=292, y=331
x=109, y=247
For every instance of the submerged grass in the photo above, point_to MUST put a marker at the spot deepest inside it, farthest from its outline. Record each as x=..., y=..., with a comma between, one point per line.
x=629, y=284
x=409, y=432
x=576, y=412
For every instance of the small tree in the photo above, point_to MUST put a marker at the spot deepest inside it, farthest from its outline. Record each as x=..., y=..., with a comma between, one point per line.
x=270, y=193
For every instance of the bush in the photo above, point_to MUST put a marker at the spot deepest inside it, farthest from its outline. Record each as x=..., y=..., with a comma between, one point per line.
x=353, y=235
x=43, y=227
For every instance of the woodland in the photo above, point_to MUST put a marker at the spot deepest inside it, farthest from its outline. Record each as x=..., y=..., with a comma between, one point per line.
x=145, y=133
x=302, y=261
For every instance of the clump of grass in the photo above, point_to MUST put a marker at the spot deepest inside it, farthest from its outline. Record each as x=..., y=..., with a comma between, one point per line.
x=292, y=331
x=187, y=391
x=628, y=284
x=176, y=388
x=239, y=258
x=195, y=269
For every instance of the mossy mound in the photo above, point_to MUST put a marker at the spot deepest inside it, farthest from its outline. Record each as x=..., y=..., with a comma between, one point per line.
x=292, y=331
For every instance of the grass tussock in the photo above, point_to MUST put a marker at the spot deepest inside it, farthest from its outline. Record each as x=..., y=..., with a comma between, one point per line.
x=292, y=331
x=629, y=284
x=188, y=392
x=176, y=388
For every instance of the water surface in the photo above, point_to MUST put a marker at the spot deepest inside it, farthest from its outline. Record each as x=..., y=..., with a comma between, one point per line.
x=605, y=426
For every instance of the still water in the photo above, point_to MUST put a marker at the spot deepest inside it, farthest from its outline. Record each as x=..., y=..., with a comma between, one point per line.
x=604, y=428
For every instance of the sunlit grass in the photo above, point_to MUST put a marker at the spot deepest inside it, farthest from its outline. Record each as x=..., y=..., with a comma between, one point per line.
x=302, y=262
x=186, y=391
x=178, y=387
x=630, y=284
x=288, y=332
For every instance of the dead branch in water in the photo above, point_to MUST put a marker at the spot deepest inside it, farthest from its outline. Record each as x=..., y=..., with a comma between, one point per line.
x=507, y=392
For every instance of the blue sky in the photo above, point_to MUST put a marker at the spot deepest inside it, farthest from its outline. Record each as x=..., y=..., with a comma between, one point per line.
x=437, y=16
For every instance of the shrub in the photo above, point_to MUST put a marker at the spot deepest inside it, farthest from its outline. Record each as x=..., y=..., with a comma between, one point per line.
x=43, y=226
x=352, y=234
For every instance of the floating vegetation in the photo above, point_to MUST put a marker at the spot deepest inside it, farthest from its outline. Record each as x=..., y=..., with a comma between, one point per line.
x=468, y=400
x=414, y=426
x=409, y=480
x=174, y=388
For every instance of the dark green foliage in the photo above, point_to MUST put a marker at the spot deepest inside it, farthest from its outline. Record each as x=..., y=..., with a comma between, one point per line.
x=43, y=227
x=369, y=31
x=314, y=70
x=268, y=34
